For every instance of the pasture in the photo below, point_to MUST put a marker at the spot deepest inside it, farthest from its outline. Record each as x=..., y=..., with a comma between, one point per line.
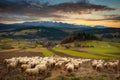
x=93, y=50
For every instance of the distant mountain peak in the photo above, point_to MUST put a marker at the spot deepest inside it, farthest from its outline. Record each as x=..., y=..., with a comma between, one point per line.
x=47, y=24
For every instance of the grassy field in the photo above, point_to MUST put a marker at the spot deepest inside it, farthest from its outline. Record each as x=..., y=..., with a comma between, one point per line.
x=78, y=54
x=105, y=50
x=101, y=49
x=46, y=52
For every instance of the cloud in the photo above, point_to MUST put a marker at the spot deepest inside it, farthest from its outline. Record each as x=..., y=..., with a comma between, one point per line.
x=115, y=18
x=41, y=8
x=18, y=10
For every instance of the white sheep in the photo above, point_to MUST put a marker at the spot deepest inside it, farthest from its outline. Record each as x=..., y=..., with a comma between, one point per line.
x=94, y=63
x=39, y=65
x=69, y=67
x=59, y=64
x=34, y=63
x=113, y=65
x=32, y=71
x=23, y=60
x=98, y=64
x=76, y=65
x=12, y=65
x=42, y=68
x=25, y=66
x=51, y=62
x=7, y=61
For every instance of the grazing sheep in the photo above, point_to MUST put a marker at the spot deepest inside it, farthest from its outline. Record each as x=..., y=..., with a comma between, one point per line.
x=7, y=61
x=40, y=65
x=76, y=65
x=12, y=65
x=42, y=68
x=59, y=64
x=32, y=71
x=23, y=60
x=94, y=63
x=98, y=64
x=69, y=67
x=113, y=65
x=25, y=66
x=34, y=63
x=51, y=62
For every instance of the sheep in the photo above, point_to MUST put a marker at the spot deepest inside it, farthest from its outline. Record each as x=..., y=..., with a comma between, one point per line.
x=113, y=65
x=25, y=66
x=94, y=63
x=76, y=65
x=32, y=71
x=23, y=60
x=7, y=61
x=98, y=64
x=12, y=65
x=42, y=68
x=69, y=67
x=59, y=64
x=33, y=63
x=38, y=65
x=51, y=62
x=63, y=59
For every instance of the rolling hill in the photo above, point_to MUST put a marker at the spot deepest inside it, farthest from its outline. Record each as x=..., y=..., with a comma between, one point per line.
x=34, y=32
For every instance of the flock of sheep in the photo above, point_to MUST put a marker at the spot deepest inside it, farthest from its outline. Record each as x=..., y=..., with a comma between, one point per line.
x=34, y=66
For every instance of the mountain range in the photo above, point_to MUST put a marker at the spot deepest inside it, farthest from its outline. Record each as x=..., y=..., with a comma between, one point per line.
x=45, y=24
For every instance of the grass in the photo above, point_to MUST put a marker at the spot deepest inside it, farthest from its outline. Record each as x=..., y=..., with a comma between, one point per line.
x=108, y=49
x=46, y=52
x=104, y=48
x=78, y=54
x=107, y=52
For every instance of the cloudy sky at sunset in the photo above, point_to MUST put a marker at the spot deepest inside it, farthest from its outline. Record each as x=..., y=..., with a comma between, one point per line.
x=79, y=12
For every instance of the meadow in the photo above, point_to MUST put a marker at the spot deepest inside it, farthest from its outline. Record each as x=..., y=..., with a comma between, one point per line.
x=99, y=49
x=94, y=50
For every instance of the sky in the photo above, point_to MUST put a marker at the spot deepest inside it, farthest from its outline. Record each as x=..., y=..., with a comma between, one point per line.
x=78, y=12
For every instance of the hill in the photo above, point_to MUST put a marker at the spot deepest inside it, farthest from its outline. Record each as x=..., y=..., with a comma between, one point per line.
x=106, y=34
x=34, y=32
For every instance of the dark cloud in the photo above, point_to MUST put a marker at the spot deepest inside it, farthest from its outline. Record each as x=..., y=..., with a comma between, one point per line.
x=80, y=7
x=115, y=18
x=45, y=9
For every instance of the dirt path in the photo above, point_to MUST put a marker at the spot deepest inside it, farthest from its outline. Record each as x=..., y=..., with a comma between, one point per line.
x=61, y=54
